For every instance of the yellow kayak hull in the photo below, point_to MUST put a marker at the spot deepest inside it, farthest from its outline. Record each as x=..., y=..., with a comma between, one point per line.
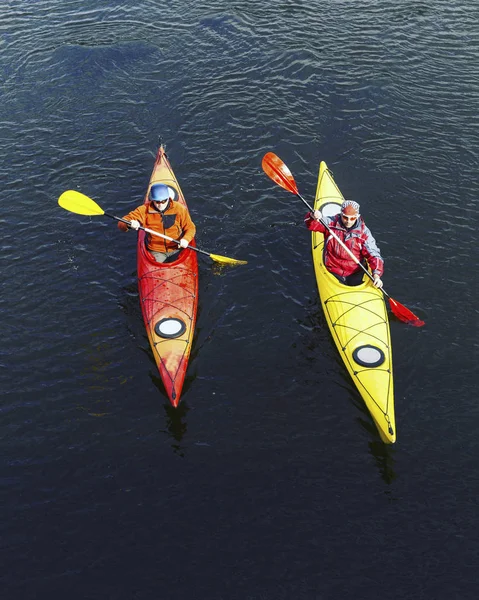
x=358, y=320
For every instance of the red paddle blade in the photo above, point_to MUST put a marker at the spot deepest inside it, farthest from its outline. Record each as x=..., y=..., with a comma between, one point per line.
x=276, y=170
x=404, y=314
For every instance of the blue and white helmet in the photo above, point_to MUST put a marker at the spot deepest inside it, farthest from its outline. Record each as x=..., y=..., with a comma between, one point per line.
x=159, y=192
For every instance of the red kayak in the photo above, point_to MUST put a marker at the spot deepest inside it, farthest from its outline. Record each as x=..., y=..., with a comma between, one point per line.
x=168, y=296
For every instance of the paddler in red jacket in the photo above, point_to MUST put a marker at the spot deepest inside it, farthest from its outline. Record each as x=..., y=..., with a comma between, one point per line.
x=165, y=216
x=352, y=231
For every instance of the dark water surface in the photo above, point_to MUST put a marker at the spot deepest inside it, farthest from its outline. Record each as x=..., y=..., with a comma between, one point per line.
x=270, y=481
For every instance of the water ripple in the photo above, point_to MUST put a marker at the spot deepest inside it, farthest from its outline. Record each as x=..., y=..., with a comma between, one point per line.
x=386, y=93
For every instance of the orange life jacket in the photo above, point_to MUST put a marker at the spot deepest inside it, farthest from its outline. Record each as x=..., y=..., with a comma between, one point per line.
x=175, y=222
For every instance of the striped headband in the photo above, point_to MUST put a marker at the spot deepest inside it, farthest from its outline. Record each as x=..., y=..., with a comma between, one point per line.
x=351, y=203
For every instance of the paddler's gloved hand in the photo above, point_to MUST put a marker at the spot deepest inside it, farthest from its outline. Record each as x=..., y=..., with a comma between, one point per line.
x=183, y=243
x=377, y=281
x=317, y=215
x=122, y=226
x=135, y=225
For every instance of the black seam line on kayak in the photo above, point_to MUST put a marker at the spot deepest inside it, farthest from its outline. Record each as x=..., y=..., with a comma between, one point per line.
x=390, y=427
x=339, y=297
x=322, y=198
x=157, y=282
x=380, y=322
x=371, y=295
x=184, y=341
x=172, y=377
x=362, y=304
x=384, y=411
x=187, y=325
x=386, y=346
x=162, y=304
x=389, y=370
x=178, y=288
x=360, y=384
x=150, y=298
x=163, y=280
x=363, y=331
x=359, y=306
x=152, y=293
x=151, y=317
x=364, y=369
x=336, y=323
x=156, y=276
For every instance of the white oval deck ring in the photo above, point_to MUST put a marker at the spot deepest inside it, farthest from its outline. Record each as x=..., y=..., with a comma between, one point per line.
x=368, y=356
x=170, y=328
x=329, y=209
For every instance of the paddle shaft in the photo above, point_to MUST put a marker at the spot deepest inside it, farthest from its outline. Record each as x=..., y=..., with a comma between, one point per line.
x=342, y=244
x=152, y=232
x=275, y=168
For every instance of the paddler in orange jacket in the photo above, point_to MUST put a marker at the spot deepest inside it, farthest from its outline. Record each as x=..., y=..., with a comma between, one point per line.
x=164, y=215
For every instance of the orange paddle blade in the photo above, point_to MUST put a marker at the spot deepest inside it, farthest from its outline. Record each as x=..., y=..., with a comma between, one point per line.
x=404, y=314
x=276, y=170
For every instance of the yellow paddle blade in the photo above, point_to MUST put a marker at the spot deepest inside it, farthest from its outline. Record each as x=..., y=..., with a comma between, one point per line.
x=227, y=261
x=80, y=204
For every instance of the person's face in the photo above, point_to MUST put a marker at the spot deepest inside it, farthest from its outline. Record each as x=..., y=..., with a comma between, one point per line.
x=349, y=216
x=161, y=205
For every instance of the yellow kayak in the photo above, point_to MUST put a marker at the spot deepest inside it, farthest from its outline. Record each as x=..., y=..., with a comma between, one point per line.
x=358, y=320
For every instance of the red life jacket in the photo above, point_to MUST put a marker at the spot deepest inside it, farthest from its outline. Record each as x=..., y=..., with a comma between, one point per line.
x=358, y=239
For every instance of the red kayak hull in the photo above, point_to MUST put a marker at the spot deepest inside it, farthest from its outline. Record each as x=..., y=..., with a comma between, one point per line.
x=168, y=296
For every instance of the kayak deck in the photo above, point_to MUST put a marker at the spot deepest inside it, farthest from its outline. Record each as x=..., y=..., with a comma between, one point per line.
x=168, y=296
x=358, y=321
